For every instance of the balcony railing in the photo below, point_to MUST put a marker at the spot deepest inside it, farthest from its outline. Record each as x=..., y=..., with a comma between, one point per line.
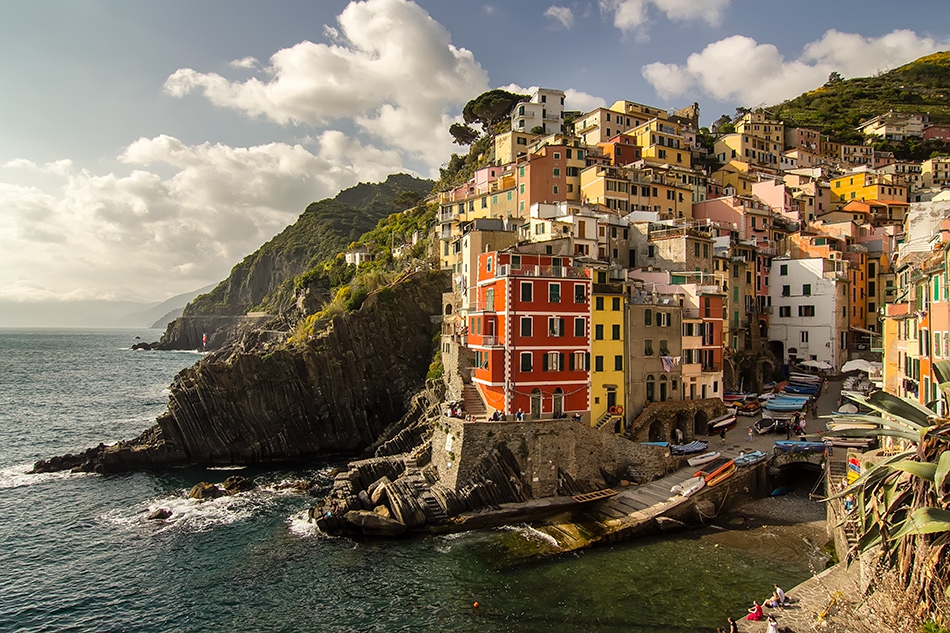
x=505, y=270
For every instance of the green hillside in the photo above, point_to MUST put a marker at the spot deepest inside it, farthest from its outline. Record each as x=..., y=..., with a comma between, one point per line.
x=264, y=279
x=839, y=106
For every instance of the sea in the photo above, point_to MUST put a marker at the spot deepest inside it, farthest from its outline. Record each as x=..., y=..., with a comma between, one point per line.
x=78, y=552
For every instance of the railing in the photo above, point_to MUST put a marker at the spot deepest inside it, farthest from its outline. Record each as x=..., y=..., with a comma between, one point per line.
x=570, y=272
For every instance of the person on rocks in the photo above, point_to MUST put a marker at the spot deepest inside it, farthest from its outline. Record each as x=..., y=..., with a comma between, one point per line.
x=779, y=594
x=755, y=612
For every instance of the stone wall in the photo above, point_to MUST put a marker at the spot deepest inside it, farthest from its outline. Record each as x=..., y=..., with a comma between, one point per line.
x=659, y=419
x=543, y=450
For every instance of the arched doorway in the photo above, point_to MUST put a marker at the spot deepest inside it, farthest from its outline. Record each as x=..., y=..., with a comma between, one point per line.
x=700, y=421
x=656, y=431
x=680, y=429
x=651, y=388
x=662, y=388
x=535, y=411
x=558, y=403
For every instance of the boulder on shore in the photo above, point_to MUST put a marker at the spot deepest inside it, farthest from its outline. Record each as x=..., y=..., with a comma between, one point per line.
x=205, y=490
x=160, y=515
x=235, y=484
x=373, y=524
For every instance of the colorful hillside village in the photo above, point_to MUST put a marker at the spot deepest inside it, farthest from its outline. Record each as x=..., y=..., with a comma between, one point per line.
x=600, y=266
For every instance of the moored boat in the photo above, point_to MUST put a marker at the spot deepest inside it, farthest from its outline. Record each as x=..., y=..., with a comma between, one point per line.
x=717, y=470
x=749, y=408
x=705, y=458
x=747, y=459
x=695, y=446
x=799, y=446
x=688, y=487
x=723, y=421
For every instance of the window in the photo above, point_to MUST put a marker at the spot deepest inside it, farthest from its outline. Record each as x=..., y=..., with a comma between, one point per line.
x=615, y=332
x=557, y=172
x=803, y=336
x=783, y=269
x=785, y=311
x=525, y=361
x=554, y=292
x=553, y=361
x=598, y=303
x=580, y=293
x=786, y=291
x=615, y=304
x=651, y=388
x=599, y=332
x=598, y=363
x=526, y=326
x=580, y=326
x=664, y=347
x=516, y=262
x=527, y=291
x=651, y=250
x=579, y=361
x=555, y=326
x=488, y=263
x=618, y=363
x=806, y=290
x=648, y=317
x=806, y=311
x=648, y=347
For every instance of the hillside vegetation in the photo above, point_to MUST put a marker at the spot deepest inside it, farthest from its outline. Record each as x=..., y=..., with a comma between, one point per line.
x=838, y=107
x=264, y=279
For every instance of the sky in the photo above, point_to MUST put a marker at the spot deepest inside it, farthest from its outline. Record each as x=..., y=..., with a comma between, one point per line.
x=147, y=147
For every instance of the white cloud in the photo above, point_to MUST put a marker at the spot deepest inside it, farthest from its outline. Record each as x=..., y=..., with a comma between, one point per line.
x=245, y=62
x=562, y=15
x=633, y=16
x=392, y=69
x=141, y=235
x=740, y=69
x=56, y=168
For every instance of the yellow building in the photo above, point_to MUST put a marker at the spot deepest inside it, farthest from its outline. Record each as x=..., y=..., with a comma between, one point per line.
x=607, y=351
x=738, y=175
x=749, y=149
x=662, y=141
x=867, y=186
x=510, y=145
x=638, y=188
x=758, y=125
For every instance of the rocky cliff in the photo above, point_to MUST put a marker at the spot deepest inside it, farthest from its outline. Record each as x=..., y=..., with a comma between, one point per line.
x=331, y=395
x=264, y=280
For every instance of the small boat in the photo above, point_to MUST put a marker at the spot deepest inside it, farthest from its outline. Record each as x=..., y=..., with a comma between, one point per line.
x=844, y=424
x=779, y=415
x=764, y=426
x=717, y=470
x=705, y=458
x=686, y=449
x=797, y=376
x=749, y=409
x=747, y=459
x=781, y=490
x=688, y=487
x=723, y=421
x=799, y=446
x=738, y=396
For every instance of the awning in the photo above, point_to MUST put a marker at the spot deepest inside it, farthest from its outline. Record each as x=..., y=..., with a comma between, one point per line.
x=863, y=331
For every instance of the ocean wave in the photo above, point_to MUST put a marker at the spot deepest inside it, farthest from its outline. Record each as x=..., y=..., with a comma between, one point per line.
x=530, y=533
x=191, y=515
x=234, y=467
x=20, y=476
x=300, y=525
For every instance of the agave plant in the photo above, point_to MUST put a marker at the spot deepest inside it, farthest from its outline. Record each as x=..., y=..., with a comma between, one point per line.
x=901, y=503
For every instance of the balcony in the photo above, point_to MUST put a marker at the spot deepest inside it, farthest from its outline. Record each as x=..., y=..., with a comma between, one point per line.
x=570, y=272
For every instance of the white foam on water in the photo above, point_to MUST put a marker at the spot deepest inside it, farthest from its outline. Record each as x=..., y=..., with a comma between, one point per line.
x=191, y=515
x=300, y=525
x=531, y=534
x=236, y=467
x=19, y=476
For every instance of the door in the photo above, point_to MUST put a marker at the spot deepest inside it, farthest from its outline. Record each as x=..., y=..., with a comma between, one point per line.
x=535, y=411
x=558, y=403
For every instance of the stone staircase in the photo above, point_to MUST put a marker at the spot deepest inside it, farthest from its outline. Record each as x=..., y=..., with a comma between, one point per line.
x=472, y=401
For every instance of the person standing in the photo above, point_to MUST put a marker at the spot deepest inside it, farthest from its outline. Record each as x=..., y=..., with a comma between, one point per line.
x=750, y=434
x=722, y=437
x=733, y=627
x=773, y=625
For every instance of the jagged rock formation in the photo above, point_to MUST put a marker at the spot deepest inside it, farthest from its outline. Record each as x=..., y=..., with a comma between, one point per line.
x=333, y=395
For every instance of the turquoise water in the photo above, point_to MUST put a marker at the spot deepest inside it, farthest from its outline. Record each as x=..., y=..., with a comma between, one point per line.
x=77, y=552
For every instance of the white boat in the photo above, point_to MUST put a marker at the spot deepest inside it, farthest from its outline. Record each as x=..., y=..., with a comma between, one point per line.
x=688, y=487
x=705, y=458
x=843, y=425
x=724, y=421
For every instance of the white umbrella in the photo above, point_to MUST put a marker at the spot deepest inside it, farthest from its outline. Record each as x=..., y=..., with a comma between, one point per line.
x=817, y=364
x=859, y=364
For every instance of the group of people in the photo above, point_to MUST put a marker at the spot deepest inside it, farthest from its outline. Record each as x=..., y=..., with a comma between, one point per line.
x=756, y=613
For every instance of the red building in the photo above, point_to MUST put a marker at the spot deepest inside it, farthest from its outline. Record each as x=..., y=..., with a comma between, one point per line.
x=530, y=330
